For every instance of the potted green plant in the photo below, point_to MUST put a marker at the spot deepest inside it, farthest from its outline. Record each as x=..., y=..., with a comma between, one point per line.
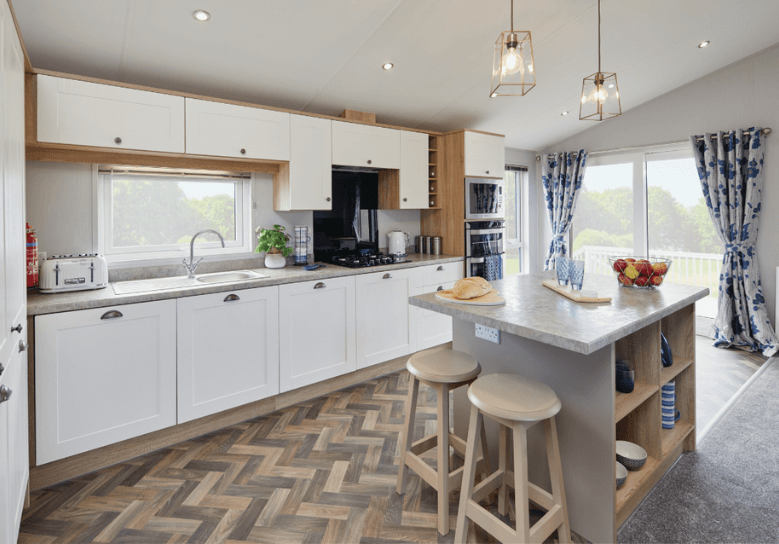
x=273, y=242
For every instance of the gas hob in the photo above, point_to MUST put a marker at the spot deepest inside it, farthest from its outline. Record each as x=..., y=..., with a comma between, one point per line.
x=366, y=260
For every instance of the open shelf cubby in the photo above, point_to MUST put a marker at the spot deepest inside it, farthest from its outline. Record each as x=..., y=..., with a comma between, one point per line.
x=637, y=415
x=432, y=153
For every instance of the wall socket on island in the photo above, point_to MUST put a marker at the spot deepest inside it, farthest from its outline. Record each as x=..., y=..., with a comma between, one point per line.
x=488, y=333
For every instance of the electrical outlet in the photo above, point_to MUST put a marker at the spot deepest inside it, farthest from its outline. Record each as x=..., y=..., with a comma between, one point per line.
x=488, y=333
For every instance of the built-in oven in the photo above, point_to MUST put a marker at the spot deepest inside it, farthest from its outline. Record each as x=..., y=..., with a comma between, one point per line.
x=484, y=249
x=484, y=199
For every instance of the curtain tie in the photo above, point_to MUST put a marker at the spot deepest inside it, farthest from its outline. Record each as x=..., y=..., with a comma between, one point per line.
x=745, y=248
x=558, y=241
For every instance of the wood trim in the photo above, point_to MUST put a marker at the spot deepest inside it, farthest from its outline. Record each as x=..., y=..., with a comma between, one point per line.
x=282, y=192
x=76, y=465
x=27, y=65
x=30, y=109
x=463, y=130
x=448, y=221
x=221, y=100
x=359, y=116
x=389, y=189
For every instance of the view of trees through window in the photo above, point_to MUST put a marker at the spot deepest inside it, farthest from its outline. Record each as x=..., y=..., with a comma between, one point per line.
x=153, y=211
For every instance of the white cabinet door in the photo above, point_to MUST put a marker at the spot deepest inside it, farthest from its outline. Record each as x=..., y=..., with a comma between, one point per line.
x=310, y=165
x=485, y=155
x=82, y=113
x=228, y=350
x=433, y=328
x=384, y=328
x=103, y=375
x=226, y=130
x=365, y=145
x=15, y=379
x=317, y=328
x=8, y=530
x=413, y=170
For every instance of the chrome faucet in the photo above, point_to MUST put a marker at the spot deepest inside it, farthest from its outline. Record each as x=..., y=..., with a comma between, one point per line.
x=192, y=266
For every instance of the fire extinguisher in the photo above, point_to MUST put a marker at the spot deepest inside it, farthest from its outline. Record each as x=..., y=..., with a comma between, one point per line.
x=32, y=257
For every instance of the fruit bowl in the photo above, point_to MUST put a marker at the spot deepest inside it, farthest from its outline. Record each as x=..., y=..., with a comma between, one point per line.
x=640, y=272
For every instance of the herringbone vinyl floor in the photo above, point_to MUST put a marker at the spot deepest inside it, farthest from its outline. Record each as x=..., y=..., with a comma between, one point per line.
x=323, y=471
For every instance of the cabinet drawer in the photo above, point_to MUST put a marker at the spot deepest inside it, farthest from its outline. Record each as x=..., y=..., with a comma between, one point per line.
x=82, y=113
x=435, y=275
x=226, y=130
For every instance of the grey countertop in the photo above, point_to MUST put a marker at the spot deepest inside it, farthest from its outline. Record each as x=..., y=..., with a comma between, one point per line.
x=535, y=312
x=39, y=304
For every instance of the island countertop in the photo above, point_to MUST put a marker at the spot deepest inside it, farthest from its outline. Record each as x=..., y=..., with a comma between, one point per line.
x=535, y=312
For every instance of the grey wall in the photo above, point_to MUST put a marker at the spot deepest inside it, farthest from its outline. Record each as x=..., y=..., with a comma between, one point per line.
x=742, y=95
x=523, y=157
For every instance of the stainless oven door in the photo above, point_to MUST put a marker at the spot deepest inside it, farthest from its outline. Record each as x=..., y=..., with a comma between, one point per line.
x=476, y=266
x=484, y=241
x=483, y=199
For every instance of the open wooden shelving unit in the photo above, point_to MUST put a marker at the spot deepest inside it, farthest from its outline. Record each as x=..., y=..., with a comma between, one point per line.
x=637, y=415
x=432, y=171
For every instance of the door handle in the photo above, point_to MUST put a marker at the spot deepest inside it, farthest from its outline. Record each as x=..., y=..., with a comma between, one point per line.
x=387, y=276
x=440, y=288
x=320, y=285
x=5, y=393
x=22, y=346
x=17, y=328
x=117, y=140
x=113, y=314
x=440, y=268
x=231, y=298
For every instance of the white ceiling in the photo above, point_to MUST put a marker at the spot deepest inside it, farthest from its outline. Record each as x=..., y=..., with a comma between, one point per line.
x=323, y=56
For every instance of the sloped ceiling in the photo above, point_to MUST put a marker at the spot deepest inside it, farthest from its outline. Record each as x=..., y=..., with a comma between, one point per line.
x=326, y=55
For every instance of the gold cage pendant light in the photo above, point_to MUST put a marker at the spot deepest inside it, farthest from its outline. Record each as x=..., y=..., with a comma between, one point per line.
x=513, y=73
x=600, y=92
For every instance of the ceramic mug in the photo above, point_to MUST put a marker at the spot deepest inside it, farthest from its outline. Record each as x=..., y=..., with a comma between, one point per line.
x=669, y=414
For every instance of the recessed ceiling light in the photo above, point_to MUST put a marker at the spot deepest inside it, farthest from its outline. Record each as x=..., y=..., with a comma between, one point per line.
x=703, y=44
x=388, y=66
x=493, y=95
x=611, y=86
x=564, y=113
x=201, y=15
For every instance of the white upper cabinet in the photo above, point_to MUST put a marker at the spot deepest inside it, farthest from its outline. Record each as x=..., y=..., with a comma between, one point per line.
x=365, y=145
x=91, y=114
x=228, y=350
x=485, y=155
x=413, y=170
x=226, y=130
x=310, y=167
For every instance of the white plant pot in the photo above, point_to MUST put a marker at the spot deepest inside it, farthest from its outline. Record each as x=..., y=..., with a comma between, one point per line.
x=275, y=260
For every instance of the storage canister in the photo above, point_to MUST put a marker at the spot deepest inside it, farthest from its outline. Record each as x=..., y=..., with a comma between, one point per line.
x=436, y=245
x=428, y=244
x=418, y=245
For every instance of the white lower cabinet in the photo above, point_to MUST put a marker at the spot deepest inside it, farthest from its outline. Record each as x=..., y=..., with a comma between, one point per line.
x=228, y=350
x=433, y=328
x=384, y=327
x=103, y=375
x=317, y=331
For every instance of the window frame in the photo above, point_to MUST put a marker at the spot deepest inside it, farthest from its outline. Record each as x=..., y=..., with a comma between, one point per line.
x=170, y=252
x=521, y=184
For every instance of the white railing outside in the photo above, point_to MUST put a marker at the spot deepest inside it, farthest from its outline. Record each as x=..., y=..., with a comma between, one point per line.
x=698, y=269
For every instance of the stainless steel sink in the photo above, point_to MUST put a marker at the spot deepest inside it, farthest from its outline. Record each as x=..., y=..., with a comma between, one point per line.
x=233, y=276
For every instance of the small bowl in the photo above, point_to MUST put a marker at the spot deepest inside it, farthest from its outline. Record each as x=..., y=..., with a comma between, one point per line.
x=622, y=475
x=640, y=272
x=631, y=455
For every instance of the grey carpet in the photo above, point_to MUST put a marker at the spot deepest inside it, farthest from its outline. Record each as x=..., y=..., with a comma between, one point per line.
x=727, y=491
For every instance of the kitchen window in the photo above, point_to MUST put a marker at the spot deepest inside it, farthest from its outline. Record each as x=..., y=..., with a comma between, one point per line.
x=152, y=213
x=515, y=187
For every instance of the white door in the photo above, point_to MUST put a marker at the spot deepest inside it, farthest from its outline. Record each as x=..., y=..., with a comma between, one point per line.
x=485, y=155
x=364, y=145
x=226, y=130
x=384, y=328
x=15, y=379
x=310, y=164
x=316, y=328
x=82, y=113
x=228, y=350
x=7, y=528
x=414, y=158
x=103, y=375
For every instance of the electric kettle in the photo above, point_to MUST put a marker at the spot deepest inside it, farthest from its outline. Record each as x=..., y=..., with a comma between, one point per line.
x=398, y=241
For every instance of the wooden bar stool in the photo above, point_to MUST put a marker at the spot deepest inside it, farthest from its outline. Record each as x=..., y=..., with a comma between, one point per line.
x=517, y=403
x=444, y=371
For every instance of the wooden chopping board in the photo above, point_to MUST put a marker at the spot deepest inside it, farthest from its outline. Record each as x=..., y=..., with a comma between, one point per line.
x=490, y=299
x=569, y=293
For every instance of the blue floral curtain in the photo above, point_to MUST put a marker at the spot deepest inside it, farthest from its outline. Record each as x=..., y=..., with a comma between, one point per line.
x=562, y=177
x=730, y=167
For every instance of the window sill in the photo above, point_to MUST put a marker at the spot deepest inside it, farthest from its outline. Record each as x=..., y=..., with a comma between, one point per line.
x=119, y=262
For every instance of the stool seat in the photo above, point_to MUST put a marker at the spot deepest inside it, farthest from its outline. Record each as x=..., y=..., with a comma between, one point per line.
x=512, y=397
x=443, y=366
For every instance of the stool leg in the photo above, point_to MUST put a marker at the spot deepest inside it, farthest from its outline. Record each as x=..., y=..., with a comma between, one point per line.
x=443, y=458
x=556, y=475
x=408, y=432
x=485, y=453
x=520, y=482
x=469, y=469
x=503, y=492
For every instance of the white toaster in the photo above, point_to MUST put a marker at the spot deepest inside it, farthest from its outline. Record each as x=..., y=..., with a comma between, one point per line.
x=61, y=273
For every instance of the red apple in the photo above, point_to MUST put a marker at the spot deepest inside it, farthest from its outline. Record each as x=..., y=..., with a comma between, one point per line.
x=644, y=268
x=630, y=260
x=660, y=268
x=656, y=280
x=620, y=265
x=624, y=280
x=642, y=281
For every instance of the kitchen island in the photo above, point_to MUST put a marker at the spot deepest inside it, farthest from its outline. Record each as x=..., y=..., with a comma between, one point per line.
x=572, y=347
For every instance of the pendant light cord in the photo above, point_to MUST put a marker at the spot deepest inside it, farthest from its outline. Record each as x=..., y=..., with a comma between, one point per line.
x=599, y=70
x=512, y=16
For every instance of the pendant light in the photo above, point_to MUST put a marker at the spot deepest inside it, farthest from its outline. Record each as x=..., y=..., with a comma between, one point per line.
x=600, y=92
x=513, y=73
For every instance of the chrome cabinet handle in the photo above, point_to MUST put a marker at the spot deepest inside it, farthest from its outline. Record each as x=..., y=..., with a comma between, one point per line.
x=5, y=393
x=2, y=368
x=405, y=200
x=439, y=268
x=370, y=161
x=17, y=328
x=117, y=140
x=440, y=288
x=230, y=298
x=328, y=199
x=320, y=285
x=113, y=314
x=488, y=171
x=243, y=152
x=387, y=276
x=22, y=346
